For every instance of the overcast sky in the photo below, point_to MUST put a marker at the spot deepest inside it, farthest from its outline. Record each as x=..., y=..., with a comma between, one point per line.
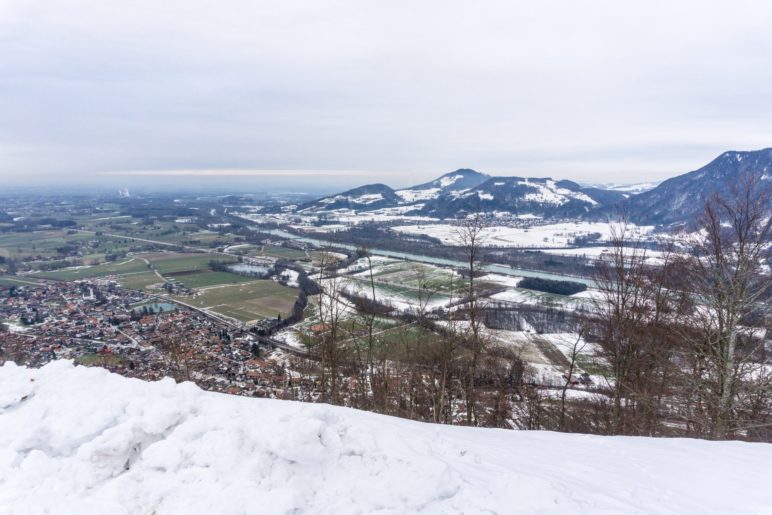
x=329, y=92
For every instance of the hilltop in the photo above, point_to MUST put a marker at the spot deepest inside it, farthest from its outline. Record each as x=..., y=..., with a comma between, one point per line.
x=82, y=440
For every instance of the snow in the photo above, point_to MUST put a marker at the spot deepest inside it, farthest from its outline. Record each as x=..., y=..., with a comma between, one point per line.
x=632, y=188
x=449, y=181
x=536, y=236
x=82, y=440
x=414, y=195
x=520, y=296
x=290, y=337
x=322, y=228
x=387, y=296
x=397, y=210
x=651, y=256
x=566, y=341
x=369, y=198
x=290, y=277
x=362, y=199
x=362, y=264
x=331, y=200
x=15, y=327
x=550, y=193
x=503, y=280
x=388, y=214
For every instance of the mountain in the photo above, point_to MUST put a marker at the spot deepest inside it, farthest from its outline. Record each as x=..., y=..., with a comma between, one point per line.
x=363, y=198
x=675, y=201
x=466, y=190
x=517, y=195
x=84, y=440
x=459, y=180
x=680, y=200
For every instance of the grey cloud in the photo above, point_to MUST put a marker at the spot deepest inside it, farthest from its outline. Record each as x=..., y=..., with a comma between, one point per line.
x=588, y=90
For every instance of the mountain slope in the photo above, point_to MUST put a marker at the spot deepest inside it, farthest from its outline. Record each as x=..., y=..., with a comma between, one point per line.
x=538, y=196
x=364, y=198
x=459, y=180
x=82, y=440
x=680, y=200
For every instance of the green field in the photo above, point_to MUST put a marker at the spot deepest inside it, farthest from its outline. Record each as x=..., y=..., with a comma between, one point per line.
x=247, y=301
x=281, y=252
x=193, y=270
x=178, y=262
x=183, y=234
x=190, y=269
x=406, y=275
x=131, y=265
x=206, y=278
x=37, y=243
x=139, y=281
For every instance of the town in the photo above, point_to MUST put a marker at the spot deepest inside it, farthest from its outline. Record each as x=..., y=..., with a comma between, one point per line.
x=97, y=322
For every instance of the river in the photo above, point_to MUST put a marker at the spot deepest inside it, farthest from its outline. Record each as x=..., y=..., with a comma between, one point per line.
x=492, y=268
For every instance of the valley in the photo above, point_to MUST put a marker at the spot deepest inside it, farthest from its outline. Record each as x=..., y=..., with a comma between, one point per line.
x=373, y=281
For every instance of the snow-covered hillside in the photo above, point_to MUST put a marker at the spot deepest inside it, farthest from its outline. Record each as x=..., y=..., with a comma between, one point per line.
x=465, y=191
x=81, y=440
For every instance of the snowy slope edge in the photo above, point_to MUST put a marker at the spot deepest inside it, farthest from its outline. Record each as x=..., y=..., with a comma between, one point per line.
x=82, y=440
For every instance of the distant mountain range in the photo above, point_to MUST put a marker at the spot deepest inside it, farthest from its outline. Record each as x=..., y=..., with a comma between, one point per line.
x=455, y=194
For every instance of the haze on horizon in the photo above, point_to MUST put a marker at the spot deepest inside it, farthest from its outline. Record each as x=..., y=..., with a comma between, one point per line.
x=341, y=93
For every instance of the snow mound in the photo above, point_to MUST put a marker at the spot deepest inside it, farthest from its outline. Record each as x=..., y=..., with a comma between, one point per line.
x=82, y=440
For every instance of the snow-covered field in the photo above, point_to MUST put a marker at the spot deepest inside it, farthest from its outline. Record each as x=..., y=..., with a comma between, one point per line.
x=81, y=440
x=290, y=337
x=533, y=297
x=652, y=256
x=290, y=277
x=551, y=235
x=401, y=302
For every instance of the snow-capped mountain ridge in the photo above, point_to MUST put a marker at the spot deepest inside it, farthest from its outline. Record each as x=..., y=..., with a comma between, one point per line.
x=466, y=190
x=541, y=196
x=463, y=178
x=677, y=200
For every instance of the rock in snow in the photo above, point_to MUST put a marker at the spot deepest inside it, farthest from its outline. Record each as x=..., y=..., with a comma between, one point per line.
x=82, y=440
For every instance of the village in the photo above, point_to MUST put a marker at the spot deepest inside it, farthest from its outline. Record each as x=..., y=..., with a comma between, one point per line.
x=96, y=322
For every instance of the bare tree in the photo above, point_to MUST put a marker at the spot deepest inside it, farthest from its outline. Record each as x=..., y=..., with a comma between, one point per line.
x=576, y=348
x=179, y=358
x=620, y=313
x=328, y=343
x=442, y=348
x=12, y=347
x=502, y=371
x=471, y=237
x=726, y=263
x=370, y=317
